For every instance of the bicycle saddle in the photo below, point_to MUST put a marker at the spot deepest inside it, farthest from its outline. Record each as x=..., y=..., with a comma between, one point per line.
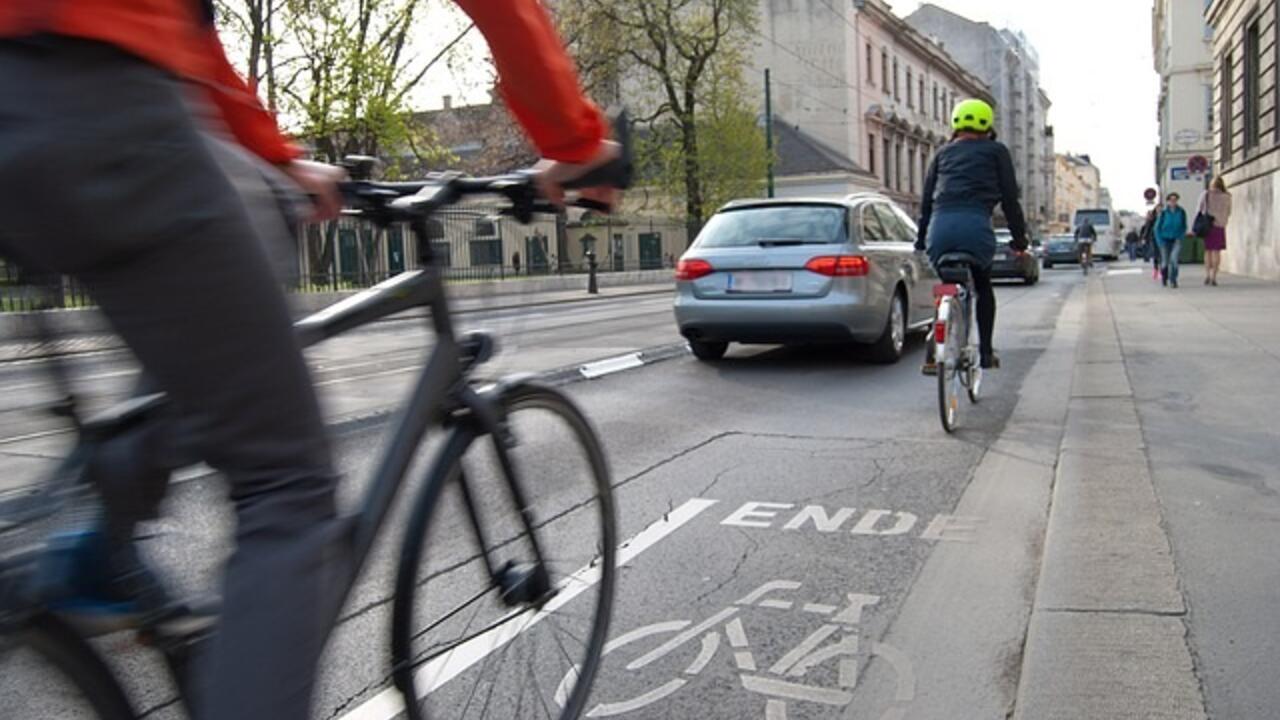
x=953, y=267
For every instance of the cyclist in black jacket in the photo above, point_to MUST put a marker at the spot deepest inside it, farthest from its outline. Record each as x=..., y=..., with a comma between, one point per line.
x=966, y=180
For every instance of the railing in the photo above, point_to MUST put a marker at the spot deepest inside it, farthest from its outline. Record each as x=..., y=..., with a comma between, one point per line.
x=22, y=291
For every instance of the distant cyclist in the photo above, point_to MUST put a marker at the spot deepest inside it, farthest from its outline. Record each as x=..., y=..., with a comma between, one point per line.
x=126, y=139
x=966, y=179
x=1086, y=236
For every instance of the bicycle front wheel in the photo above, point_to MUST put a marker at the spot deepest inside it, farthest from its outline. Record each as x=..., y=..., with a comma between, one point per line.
x=495, y=608
x=47, y=671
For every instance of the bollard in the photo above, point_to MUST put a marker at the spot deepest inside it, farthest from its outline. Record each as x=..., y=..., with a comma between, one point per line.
x=592, y=287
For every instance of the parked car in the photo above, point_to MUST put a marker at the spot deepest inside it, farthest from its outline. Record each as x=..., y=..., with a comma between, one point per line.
x=1061, y=249
x=1011, y=265
x=804, y=271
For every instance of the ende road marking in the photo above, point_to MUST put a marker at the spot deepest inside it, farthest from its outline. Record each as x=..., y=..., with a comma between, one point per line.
x=388, y=703
x=883, y=523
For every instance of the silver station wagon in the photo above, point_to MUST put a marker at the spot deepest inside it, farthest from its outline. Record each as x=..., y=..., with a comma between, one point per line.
x=804, y=271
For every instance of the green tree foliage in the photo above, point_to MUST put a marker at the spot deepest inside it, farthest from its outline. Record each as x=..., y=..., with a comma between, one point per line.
x=682, y=64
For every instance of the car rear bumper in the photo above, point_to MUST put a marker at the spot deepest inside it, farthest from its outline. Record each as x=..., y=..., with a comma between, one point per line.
x=1002, y=269
x=839, y=317
x=1062, y=257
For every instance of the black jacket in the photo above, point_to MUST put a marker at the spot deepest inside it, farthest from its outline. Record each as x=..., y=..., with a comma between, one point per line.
x=968, y=173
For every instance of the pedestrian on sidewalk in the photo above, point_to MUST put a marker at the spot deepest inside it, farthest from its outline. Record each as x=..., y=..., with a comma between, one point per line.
x=1171, y=228
x=1131, y=244
x=515, y=261
x=1150, y=250
x=1215, y=201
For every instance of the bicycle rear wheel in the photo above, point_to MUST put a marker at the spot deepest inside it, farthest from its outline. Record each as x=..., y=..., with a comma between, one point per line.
x=948, y=359
x=47, y=671
x=493, y=639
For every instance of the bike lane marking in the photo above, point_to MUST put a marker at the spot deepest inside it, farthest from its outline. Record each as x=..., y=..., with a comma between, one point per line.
x=388, y=703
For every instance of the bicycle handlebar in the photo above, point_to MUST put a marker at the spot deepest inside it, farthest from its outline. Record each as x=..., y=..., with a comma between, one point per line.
x=386, y=202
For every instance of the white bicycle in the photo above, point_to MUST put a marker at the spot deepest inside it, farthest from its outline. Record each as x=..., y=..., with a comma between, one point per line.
x=836, y=643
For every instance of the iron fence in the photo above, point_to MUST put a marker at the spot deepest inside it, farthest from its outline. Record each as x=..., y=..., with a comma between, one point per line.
x=23, y=290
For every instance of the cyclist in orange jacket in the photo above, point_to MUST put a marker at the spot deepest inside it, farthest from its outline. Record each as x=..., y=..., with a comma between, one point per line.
x=123, y=139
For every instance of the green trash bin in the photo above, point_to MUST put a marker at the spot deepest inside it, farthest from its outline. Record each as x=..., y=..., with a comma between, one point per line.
x=1192, y=250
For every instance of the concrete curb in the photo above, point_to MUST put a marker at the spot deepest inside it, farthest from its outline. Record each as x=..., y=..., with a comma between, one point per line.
x=1107, y=637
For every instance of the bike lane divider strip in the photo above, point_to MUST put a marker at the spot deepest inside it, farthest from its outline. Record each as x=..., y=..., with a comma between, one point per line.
x=388, y=703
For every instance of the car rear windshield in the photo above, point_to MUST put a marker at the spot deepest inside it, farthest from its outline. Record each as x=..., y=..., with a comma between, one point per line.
x=1096, y=217
x=775, y=225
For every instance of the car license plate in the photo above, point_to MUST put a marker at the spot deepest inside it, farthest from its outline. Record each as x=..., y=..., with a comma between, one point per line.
x=760, y=281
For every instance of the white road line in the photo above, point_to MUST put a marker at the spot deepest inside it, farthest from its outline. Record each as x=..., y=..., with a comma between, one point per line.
x=388, y=703
x=601, y=368
x=1127, y=271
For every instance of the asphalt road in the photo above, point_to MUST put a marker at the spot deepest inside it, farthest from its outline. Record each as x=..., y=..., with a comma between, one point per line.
x=783, y=504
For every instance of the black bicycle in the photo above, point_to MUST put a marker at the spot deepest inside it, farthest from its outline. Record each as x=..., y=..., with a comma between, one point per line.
x=521, y=568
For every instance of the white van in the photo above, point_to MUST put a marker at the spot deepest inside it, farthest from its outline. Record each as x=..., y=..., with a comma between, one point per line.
x=1109, y=242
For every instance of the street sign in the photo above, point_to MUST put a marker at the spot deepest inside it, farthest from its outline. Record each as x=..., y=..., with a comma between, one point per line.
x=1179, y=173
x=1198, y=164
x=1187, y=136
x=1150, y=194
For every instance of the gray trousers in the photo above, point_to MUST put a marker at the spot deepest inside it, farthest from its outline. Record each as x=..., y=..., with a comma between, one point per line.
x=105, y=175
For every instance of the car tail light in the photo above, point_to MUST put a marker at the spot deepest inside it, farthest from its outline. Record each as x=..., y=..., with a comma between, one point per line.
x=693, y=269
x=839, y=265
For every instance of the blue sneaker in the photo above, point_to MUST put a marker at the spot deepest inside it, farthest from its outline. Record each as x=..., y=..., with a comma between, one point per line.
x=101, y=590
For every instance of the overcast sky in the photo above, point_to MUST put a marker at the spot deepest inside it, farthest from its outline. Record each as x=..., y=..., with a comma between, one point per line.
x=1095, y=64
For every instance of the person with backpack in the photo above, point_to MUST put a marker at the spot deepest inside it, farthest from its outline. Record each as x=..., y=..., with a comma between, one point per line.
x=1171, y=228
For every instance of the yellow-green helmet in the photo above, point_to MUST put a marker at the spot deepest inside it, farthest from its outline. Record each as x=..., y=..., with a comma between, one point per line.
x=973, y=114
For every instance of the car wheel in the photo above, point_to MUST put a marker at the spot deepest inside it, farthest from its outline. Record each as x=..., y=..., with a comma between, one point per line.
x=1048, y=265
x=888, y=348
x=708, y=350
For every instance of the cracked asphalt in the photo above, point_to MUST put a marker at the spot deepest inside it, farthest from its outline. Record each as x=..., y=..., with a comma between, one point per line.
x=825, y=475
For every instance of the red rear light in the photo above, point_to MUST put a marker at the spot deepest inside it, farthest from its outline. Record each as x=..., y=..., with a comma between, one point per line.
x=693, y=269
x=839, y=265
x=940, y=333
x=945, y=290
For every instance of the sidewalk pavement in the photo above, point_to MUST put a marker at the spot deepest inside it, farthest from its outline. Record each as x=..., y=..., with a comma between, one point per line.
x=1157, y=585
x=24, y=349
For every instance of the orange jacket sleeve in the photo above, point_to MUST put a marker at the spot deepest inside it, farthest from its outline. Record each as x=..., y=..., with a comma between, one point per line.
x=250, y=123
x=537, y=78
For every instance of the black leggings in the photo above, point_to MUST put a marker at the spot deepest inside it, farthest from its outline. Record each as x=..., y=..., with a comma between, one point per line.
x=986, y=307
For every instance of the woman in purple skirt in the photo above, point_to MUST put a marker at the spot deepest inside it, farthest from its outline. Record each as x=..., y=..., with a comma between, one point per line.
x=1217, y=202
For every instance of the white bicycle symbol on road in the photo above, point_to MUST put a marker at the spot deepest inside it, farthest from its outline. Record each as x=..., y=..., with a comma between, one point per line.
x=781, y=682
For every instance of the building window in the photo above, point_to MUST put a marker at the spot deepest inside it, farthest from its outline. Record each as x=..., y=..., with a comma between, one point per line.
x=911, y=103
x=1228, y=62
x=911, y=170
x=936, y=114
x=922, y=94
x=884, y=71
x=897, y=162
x=888, y=163
x=897, y=94
x=871, y=153
x=871, y=75
x=1252, y=84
